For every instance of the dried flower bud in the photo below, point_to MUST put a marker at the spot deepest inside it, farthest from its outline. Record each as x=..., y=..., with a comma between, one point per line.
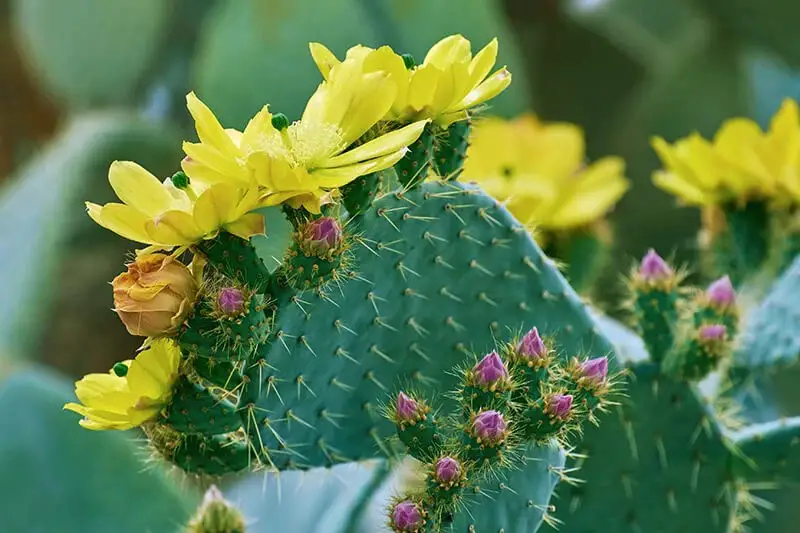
x=489, y=426
x=231, y=301
x=490, y=370
x=654, y=268
x=447, y=470
x=560, y=405
x=406, y=516
x=154, y=296
x=532, y=346
x=721, y=293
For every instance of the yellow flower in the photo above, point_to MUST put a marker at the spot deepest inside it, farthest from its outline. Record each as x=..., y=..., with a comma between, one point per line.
x=448, y=83
x=132, y=393
x=742, y=163
x=301, y=162
x=160, y=214
x=538, y=170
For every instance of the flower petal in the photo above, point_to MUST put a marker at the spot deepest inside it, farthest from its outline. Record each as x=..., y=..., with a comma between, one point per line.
x=123, y=220
x=383, y=145
x=138, y=188
x=216, y=206
x=176, y=228
x=482, y=63
x=209, y=130
x=452, y=49
x=324, y=59
x=340, y=176
x=487, y=90
x=246, y=226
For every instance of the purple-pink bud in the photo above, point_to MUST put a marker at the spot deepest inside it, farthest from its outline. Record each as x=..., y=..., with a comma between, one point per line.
x=713, y=332
x=490, y=369
x=560, y=405
x=532, y=346
x=231, y=301
x=406, y=516
x=489, y=426
x=406, y=407
x=595, y=370
x=447, y=470
x=721, y=293
x=322, y=235
x=653, y=267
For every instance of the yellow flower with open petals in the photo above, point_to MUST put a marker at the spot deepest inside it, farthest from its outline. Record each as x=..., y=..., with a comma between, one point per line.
x=448, y=83
x=132, y=393
x=160, y=214
x=538, y=170
x=299, y=163
x=782, y=150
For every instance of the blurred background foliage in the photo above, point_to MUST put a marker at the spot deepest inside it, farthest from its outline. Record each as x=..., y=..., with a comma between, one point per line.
x=85, y=82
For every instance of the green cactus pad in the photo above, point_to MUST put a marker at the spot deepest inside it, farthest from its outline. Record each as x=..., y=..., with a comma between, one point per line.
x=358, y=195
x=413, y=168
x=750, y=237
x=223, y=374
x=769, y=337
x=656, y=313
x=660, y=466
x=517, y=503
x=209, y=455
x=451, y=149
x=195, y=409
x=443, y=271
x=236, y=259
x=422, y=438
x=585, y=252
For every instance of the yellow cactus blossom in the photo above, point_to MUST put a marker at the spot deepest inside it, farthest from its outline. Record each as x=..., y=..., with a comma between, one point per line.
x=299, y=163
x=160, y=214
x=448, y=83
x=742, y=162
x=538, y=170
x=132, y=393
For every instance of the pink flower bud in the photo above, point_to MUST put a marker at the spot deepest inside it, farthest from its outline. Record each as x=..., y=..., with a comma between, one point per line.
x=721, y=293
x=595, y=370
x=231, y=301
x=490, y=370
x=560, y=405
x=489, y=426
x=406, y=516
x=712, y=332
x=322, y=235
x=447, y=470
x=654, y=268
x=407, y=408
x=532, y=346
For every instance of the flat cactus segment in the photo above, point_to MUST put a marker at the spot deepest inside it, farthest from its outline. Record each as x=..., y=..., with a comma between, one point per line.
x=236, y=258
x=661, y=465
x=195, y=409
x=517, y=503
x=442, y=270
x=358, y=195
x=628, y=346
x=451, y=150
x=770, y=451
x=222, y=374
x=749, y=229
x=413, y=168
x=770, y=334
x=212, y=456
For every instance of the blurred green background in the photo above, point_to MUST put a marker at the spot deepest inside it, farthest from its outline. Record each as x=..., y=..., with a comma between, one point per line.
x=84, y=82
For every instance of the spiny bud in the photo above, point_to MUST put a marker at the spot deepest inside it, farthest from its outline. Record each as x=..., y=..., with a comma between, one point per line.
x=560, y=405
x=712, y=333
x=490, y=426
x=447, y=469
x=231, y=301
x=216, y=515
x=407, y=408
x=407, y=517
x=721, y=293
x=490, y=370
x=321, y=236
x=653, y=268
x=531, y=346
x=595, y=371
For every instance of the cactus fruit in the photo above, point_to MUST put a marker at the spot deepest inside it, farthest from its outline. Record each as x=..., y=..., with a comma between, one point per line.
x=216, y=515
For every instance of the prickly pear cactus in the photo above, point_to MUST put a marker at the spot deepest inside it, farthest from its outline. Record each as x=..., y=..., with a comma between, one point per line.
x=668, y=461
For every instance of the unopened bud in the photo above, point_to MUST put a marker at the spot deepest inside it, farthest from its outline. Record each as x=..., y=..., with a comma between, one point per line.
x=406, y=517
x=595, y=370
x=447, y=470
x=321, y=236
x=560, y=405
x=532, y=346
x=489, y=426
x=712, y=333
x=490, y=370
x=721, y=293
x=654, y=268
x=231, y=301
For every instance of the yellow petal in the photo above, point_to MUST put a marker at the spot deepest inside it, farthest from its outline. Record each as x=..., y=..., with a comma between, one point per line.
x=340, y=176
x=383, y=145
x=246, y=226
x=557, y=151
x=258, y=130
x=422, y=86
x=451, y=87
x=595, y=194
x=137, y=188
x=216, y=206
x=151, y=373
x=487, y=90
x=324, y=59
x=123, y=220
x=482, y=63
x=452, y=49
x=683, y=189
x=208, y=156
x=176, y=228
x=209, y=130
x=200, y=172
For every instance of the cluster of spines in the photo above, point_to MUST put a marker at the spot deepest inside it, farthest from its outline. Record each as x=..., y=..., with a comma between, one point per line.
x=688, y=331
x=505, y=402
